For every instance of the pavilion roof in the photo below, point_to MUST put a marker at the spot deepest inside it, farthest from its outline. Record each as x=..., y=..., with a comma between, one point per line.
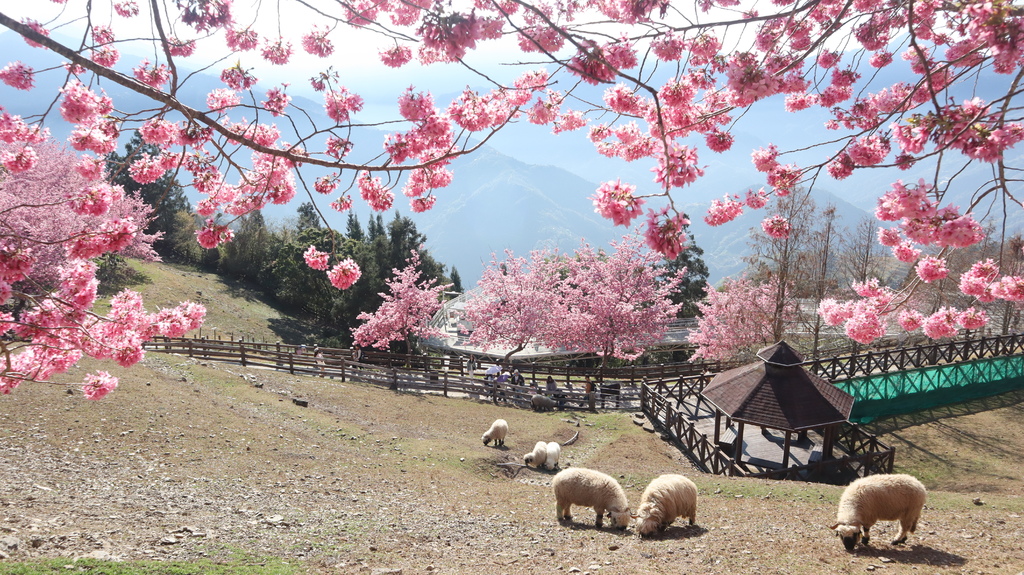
x=777, y=392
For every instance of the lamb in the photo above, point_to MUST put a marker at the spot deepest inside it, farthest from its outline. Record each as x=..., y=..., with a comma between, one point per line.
x=554, y=452
x=666, y=497
x=538, y=456
x=589, y=488
x=879, y=498
x=542, y=403
x=497, y=433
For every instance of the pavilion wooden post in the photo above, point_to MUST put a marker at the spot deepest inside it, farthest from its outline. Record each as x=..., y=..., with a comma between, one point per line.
x=829, y=441
x=718, y=422
x=785, y=449
x=738, y=448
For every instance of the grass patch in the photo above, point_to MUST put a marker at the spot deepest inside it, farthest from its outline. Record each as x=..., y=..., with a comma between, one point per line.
x=248, y=566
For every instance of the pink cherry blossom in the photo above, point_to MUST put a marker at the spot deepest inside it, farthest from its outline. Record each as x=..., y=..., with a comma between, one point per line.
x=396, y=57
x=153, y=75
x=18, y=76
x=81, y=106
x=972, y=318
x=238, y=78
x=242, y=40
x=344, y=274
x=931, y=269
x=98, y=384
x=317, y=43
x=221, y=99
x=664, y=233
x=910, y=319
x=942, y=323
x=182, y=48
x=723, y=211
x=277, y=101
x=277, y=52
x=126, y=8
x=776, y=226
x=615, y=201
x=342, y=204
x=341, y=103
x=212, y=234
x=316, y=259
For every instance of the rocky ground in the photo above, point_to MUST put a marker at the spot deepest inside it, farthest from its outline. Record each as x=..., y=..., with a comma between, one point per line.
x=189, y=460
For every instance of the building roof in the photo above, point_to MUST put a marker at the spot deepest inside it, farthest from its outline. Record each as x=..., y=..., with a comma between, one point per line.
x=777, y=392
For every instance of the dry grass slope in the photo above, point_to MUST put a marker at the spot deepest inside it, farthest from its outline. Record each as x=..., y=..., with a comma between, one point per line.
x=190, y=460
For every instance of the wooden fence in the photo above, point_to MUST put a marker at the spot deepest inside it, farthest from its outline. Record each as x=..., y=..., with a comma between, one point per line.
x=420, y=373
x=288, y=357
x=898, y=359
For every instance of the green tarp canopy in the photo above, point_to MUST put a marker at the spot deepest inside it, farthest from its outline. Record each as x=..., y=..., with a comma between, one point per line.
x=908, y=391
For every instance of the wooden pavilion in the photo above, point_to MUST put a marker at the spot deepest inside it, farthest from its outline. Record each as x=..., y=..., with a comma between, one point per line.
x=776, y=393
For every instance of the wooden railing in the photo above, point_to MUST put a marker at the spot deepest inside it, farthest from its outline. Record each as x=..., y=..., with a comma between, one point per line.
x=864, y=454
x=288, y=356
x=898, y=359
x=419, y=373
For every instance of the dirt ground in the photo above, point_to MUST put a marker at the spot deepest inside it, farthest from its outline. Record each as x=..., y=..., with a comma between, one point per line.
x=188, y=459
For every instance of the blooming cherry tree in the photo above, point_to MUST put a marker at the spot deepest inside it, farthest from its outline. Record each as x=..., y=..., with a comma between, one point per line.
x=405, y=312
x=676, y=80
x=736, y=318
x=611, y=304
x=57, y=216
x=512, y=308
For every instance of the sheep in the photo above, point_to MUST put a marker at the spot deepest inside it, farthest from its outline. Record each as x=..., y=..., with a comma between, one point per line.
x=554, y=452
x=589, y=488
x=666, y=497
x=497, y=433
x=542, y=403
x=538, y=456
x=879, y=498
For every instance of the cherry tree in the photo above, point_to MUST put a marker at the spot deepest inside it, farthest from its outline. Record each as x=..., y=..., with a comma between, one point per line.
x=611, y=304
x=512, y=307
x=652, y=81
x=406, y=310
x=48, y=284
x=737, y=318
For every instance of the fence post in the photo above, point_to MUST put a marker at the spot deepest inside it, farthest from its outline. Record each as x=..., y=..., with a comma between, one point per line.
x=446, y=383
x=394, y=379
x=191, y=353
x=241, y=351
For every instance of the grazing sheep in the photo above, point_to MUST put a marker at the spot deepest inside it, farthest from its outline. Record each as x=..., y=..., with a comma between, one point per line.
x=666, y=497
x=589, y=488
x=538, y=456
x=497, y=433
x=879, y=498
x=542, y=403
x=554, y=452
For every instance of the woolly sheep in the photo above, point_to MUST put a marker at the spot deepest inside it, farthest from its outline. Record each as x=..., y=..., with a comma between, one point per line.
x=538, y=456
x=542, y=403
x=879, y=498
x=666, y=497
x=589, y=488
x=554, y=452
x=497, y=433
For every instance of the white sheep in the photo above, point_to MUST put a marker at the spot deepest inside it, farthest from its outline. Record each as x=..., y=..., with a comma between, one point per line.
x=879, y=498
x=589, y=488
x=497, y=433
x=554, y=452
x=538, y=456
x=666, y=497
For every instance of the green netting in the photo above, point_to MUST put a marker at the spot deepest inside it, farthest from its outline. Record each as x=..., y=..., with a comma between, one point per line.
x=913, y=390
